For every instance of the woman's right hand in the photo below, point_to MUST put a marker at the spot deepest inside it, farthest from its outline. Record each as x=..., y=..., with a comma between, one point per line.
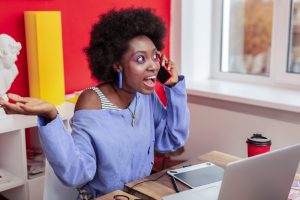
x=28, y=106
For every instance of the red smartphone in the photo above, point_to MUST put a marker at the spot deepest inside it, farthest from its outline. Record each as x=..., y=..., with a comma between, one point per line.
x=164, y=74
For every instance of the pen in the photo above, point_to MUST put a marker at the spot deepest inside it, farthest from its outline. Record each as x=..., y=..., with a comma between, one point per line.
x=174, y=184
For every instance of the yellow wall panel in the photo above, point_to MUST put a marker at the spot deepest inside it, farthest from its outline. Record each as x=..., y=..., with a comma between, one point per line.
x=45, y=55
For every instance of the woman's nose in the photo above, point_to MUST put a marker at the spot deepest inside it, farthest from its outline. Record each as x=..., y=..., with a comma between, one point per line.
x=153, y=66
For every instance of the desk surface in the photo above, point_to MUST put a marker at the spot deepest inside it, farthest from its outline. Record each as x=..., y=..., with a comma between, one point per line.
x=111, y=196
x=162, y=185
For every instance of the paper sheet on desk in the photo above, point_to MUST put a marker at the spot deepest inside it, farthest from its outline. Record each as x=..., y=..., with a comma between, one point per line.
x=295, y=191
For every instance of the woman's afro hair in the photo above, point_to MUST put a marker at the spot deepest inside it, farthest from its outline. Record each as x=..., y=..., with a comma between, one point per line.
x=110, y=36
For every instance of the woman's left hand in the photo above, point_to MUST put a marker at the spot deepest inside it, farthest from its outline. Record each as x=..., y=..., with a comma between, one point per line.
x=172, y=68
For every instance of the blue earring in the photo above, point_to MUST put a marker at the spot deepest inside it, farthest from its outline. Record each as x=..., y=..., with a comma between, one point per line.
x=120, y=79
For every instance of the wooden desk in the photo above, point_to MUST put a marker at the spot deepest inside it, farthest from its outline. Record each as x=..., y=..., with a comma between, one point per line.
x=162, y=185
x=111, y=195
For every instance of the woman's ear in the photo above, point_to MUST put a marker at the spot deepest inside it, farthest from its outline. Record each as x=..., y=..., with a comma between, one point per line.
x=117, y=67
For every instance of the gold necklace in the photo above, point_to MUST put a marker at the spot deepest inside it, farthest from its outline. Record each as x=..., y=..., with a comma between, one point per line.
x=133, y=114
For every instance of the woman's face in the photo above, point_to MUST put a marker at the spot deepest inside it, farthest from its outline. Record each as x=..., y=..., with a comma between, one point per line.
x=140, y=65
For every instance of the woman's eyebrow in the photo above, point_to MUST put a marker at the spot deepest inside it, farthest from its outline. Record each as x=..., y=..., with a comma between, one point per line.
x=144, y=51
x=140, y=52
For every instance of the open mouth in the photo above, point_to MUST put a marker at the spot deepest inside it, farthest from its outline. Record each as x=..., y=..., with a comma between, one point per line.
x=150, y=81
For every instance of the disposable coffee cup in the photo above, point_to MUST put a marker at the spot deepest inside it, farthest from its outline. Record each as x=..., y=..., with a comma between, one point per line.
x=258, y=144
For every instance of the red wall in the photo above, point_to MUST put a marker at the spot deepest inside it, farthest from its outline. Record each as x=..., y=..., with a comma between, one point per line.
x=77, y=18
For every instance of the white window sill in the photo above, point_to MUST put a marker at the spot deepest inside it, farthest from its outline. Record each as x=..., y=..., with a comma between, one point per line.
x=245, y=93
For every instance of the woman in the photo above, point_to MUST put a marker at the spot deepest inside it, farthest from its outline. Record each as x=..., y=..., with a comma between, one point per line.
x=118, y=124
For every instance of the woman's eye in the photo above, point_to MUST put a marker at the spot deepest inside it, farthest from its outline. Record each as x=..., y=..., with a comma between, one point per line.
x=140, y=59
x=155, y=57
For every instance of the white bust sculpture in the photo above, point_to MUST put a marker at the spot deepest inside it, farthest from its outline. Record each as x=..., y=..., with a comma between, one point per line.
x=9, y=50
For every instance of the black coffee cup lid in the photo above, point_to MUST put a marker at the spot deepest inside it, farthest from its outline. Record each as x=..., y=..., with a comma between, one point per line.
x=259, y=140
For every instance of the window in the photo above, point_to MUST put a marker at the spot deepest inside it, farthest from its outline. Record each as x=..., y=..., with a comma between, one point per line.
x=216, y=56
x=257, y=41
x=246, y=36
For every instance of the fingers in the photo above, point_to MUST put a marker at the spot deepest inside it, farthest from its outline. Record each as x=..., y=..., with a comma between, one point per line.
x=171, y=65
x=30, y=108
x=14, y=97
x=27, y=106
x=10, y=108
x=18, y=98
x=162, y=60
x=14, y=108
x=165, y=61
x=2, y=102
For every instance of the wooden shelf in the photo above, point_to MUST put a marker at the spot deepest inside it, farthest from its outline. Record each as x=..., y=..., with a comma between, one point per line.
x=9, y=181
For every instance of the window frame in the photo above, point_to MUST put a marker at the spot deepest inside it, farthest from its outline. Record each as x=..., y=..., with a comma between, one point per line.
x=196, y=48
x=278, y=75
x=284, y=16
x=199, y=52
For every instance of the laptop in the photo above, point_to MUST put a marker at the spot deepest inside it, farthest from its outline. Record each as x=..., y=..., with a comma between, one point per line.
x=266, y=176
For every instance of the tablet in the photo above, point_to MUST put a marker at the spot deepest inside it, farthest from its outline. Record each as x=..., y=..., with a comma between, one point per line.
x=198, y=175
